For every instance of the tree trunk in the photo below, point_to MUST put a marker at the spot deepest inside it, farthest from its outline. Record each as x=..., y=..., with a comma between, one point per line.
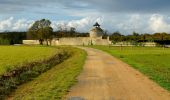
x=47, y=42
x=50, y=42
x=41, y=41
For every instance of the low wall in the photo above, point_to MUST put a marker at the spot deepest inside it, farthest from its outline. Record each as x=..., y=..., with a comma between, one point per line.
x=29, y=42
x=80, y=41
x=150, y=44
x=72, y=41
x=147, y=44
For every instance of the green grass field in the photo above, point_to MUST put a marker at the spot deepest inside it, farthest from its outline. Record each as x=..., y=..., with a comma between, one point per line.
x=14, y=55
x=152, y=61
x=53, y=84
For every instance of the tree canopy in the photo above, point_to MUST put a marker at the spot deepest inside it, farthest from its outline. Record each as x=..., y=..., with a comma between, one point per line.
x=42, y=30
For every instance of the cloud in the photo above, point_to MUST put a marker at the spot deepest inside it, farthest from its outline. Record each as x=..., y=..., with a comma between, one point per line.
x=6, y=24
x=113, y=15
x=129, y=6
x=22, y=25
x=157, y=23
x=82, y=25
x=125, y=24
x=14, y=25
x=102, y=6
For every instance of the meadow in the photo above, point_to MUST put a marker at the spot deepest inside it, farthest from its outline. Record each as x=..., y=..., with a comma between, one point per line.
x=11, y=56
x=154, y=62
x=55, y=83
x=42, y=72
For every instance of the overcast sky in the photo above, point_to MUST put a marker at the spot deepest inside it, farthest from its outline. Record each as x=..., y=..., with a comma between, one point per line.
x=125, y=16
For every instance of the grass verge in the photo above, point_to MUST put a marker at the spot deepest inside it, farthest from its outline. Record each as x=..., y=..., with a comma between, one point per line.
x=152, y=61
x=53, y=84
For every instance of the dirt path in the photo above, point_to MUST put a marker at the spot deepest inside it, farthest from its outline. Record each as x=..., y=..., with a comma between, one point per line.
x=107, y=78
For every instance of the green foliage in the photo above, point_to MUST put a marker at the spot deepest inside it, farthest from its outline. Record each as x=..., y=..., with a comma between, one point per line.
x=41, y=30
x=9, y=38
x=135, y=38
x=116, y=37
x=53, y=84
x=152, y=61
x=4, y=41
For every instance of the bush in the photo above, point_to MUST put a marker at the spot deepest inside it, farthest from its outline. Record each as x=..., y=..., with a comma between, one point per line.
x=4, y=41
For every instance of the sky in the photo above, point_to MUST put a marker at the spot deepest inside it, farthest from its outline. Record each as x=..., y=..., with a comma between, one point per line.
x=125, y=16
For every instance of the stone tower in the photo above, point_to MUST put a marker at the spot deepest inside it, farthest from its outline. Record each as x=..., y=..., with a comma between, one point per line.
x=96, y=31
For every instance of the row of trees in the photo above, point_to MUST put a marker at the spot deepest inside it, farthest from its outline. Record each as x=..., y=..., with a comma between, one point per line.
x=10, y=38
x=43, y=31
x=162, y=38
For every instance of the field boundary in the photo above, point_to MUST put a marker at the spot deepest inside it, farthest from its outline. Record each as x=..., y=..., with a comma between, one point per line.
x=11, y=80
x=54, y=83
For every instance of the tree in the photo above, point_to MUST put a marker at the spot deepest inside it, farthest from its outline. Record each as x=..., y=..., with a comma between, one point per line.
x=72, y=31
x=116, y=36
x=41, y=30
x=135, y=36
x=117, y=33
x=105, y=35
x=47, y=34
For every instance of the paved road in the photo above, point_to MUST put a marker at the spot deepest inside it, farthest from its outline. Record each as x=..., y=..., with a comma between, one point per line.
x=107, y=78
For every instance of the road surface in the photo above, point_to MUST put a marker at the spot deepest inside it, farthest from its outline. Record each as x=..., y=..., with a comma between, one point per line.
x=107, y=78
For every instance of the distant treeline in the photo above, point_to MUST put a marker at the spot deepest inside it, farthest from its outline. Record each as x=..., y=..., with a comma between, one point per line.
x=60, y=34
x=70, y=34
x=10, y=38
x=160, y=38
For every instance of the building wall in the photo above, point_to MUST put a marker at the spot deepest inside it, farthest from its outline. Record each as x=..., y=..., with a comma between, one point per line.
x=29, y=42
x=80, y=41
x=150, y=44
x=33, y=42
x=94, y=34
x=73, y=41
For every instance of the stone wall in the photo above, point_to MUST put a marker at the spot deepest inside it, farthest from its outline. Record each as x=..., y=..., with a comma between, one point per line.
x=150, y=44
x=29, y=42
x=73, y=41
x=33, y=42
x=147, y=44
x=80, y=41
x=84, y=41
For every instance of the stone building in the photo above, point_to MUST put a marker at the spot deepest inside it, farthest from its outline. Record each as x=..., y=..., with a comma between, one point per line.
x=96, y=31
x=95, y=38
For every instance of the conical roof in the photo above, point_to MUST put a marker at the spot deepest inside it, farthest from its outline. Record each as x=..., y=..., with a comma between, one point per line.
x=96, y=24
x=96, y=29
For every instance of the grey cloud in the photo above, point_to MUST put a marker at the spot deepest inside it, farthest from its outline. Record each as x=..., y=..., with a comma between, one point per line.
x=116, y=15
x=134, y=6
